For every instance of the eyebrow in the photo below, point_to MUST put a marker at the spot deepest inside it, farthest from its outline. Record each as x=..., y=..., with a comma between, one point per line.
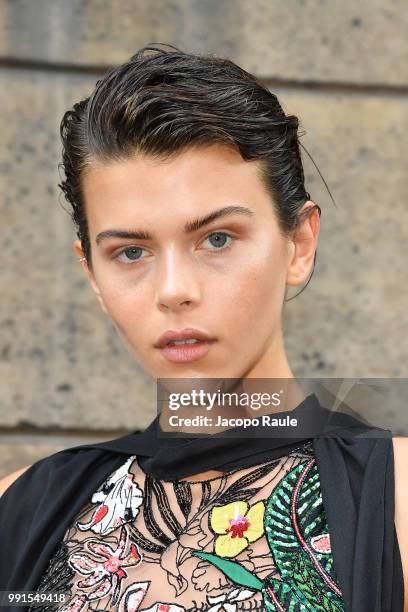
x=189, y=227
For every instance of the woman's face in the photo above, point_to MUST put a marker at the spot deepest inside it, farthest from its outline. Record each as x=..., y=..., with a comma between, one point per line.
x=226, y=277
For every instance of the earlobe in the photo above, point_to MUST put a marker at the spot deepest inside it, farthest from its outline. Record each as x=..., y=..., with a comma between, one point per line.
x=77, y=247
x=302, y=264
x=296, y=272
x=303, y=244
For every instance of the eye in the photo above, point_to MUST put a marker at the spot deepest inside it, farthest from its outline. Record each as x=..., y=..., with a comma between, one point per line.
x=132, y=252
x=218, y=240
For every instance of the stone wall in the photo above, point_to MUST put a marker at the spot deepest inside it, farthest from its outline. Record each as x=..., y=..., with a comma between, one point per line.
x=341, y=67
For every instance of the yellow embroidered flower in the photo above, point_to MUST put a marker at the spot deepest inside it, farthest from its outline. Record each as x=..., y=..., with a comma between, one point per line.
x=239, y=525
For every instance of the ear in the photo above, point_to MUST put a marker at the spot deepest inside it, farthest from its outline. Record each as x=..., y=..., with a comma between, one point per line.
x=77, y=247
x=303, y=243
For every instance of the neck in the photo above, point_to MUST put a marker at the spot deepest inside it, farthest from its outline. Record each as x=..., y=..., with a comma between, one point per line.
x=277, y=377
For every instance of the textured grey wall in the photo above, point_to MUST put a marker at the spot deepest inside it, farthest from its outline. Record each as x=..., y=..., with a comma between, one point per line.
x=341, y=67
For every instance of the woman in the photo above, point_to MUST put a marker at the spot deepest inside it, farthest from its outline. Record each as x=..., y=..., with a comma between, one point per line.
x=187, y=189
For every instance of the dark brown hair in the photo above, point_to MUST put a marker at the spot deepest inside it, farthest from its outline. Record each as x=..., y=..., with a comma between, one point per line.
x=162, y=101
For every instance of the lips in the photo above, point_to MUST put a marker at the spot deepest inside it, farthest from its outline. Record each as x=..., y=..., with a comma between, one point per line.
x=182, y=334
x=183, y=353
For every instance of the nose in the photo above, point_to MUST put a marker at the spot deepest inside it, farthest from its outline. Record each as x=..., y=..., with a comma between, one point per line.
x=177, y=282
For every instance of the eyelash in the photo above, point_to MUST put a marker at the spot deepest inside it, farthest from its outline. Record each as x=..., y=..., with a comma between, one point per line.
x=140, y=258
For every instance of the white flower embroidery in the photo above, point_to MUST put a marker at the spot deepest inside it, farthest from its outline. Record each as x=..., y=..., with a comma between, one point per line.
x=118, y=500
x=158, y=607
x=226, y=601
x=133, y=596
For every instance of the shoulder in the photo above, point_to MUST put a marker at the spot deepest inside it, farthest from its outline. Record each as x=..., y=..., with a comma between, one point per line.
x=400, y=445
x=50, y=485
x=48, y=470
x=6, y=481
x=78, y=465
x=40, y=467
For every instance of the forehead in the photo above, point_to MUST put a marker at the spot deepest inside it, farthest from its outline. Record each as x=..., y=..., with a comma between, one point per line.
x=195, y=180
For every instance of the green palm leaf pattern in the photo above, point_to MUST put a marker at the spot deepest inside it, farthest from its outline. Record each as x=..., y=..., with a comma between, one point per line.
x=295, y=516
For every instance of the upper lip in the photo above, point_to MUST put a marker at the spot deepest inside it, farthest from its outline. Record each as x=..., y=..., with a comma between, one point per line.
x=181, y=334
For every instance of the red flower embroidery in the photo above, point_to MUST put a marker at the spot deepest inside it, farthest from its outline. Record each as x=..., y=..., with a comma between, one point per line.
x=107, y=568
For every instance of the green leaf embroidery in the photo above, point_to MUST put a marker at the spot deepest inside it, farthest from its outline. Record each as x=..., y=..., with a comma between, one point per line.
x=234, y=570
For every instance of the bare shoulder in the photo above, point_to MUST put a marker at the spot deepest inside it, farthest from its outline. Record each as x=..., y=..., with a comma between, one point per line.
x=400, y=445
x=10, y=478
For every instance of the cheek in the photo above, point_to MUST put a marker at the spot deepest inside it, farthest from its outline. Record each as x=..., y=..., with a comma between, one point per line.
x=130, y=314
x=255, y=290
x=117, y=298
x=127, y=306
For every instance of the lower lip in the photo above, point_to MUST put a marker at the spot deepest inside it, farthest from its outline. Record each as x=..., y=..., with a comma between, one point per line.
x=182, y=353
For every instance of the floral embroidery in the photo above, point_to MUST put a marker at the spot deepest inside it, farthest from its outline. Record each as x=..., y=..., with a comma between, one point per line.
x=133, y=596
x=118, y=501
x=250, y=542
x=76, y=605
x=130, y=600
x=239, y=524
x=296, y=531
x=229, y=601
x=109, y=565
x=164, y=607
